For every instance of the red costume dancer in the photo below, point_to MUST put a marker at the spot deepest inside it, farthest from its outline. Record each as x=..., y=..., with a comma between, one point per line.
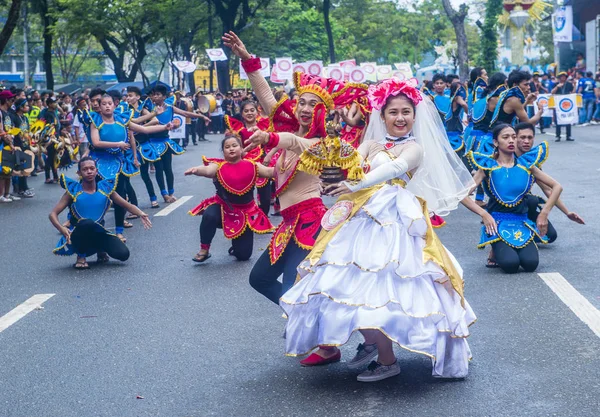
x=251, y=118
x=299, y=192
x=233, y=207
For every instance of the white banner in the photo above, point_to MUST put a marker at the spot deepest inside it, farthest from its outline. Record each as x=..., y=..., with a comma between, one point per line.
x=216, y=54
x=179, y=131
x=347, y=65
x=265, y=67
x=185, y=66
x=300, y=67
x=384, y=72
x=370, y=69
x=566, y=109
x=544, y=99
x=562, y=24
x=275, y=78
x=314, y=67
x=335, y=72
x=284, y=68
x=357, y=75
x=404, y=68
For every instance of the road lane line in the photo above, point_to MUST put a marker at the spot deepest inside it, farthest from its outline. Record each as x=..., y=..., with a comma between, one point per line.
x=173, y=206
x=22, y=310
x=586, y=312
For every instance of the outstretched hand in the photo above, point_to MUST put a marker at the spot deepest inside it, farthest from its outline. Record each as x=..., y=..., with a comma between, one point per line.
x=233, y=42
x=146, y=221
x=575, y=217
x=258, y=138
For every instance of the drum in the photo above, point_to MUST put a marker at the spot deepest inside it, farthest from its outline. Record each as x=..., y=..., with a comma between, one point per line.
x=207, y=103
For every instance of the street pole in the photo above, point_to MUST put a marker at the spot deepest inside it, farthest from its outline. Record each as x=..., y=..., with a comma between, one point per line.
x=517, y=46
x=25, y=47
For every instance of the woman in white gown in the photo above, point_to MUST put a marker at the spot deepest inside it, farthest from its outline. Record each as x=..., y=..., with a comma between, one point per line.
x=378, y=266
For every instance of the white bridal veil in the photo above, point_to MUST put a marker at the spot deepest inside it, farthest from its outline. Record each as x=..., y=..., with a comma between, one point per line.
x=442, y=179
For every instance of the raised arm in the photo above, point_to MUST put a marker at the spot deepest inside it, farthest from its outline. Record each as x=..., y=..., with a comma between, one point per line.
x=259, y=84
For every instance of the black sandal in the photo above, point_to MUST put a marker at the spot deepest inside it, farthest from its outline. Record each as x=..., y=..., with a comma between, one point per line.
x=127, y=225
x=154, y=205
x=201, y=257
x=81, y=265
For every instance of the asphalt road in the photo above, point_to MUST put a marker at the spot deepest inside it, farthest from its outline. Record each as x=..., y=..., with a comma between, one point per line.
x=161, y=336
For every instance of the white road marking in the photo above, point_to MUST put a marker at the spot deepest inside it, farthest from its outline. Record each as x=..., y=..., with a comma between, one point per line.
x=173, y=206
x=586, y=312
x=22, y=310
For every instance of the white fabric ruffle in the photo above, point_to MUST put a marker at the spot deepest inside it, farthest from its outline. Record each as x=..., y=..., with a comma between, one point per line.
x=372, y=276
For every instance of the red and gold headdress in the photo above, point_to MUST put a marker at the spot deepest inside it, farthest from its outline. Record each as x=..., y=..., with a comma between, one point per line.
x=378, y=94
x=334, y=93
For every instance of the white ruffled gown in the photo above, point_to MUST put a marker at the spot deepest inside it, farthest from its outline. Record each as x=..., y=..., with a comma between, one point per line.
x=371, y=275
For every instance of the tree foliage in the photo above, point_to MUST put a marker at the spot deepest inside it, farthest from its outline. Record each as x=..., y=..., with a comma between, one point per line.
x=488, y=53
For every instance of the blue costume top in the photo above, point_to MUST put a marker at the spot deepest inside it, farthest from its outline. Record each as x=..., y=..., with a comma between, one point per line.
x=113, y=161
x=85, y=206
x=500, y=116
x=443, y=105
x=159, y=143
x=477, y=92
x=507, y=189
x=479, y=139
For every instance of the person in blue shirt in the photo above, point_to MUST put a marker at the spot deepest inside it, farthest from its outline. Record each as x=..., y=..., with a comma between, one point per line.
x=585, y=87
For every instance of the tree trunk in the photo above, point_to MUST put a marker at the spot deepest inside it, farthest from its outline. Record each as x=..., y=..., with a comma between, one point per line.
x=326, y=8
x=47, y=22
x=10, y=25
x=211, y=74
x=458, y=22
x=187, y=54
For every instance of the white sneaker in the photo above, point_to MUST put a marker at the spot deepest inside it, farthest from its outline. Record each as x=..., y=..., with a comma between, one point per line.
x=593, y=122
x=5, y=200
x=14, y=197
x=364, y=355
x=584, y=124
x=376, y=372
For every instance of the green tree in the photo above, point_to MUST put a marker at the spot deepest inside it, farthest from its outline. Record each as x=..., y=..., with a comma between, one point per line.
x=121, y=28
x=12, y=19
x=488, y=52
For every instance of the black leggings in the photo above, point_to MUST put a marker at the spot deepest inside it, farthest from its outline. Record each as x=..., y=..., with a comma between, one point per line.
x=130, y=191
x=147, y=180
x=49, y=166
x=509, y=258
x=263, y=277
x=122, y=181
x=532, y=214
x=264, y=196
x=163, y=168
x=211, y=220
x=86, y=238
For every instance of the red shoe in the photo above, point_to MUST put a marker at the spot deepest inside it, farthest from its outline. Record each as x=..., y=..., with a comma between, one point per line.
x=437, y=221
x=316, y=360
